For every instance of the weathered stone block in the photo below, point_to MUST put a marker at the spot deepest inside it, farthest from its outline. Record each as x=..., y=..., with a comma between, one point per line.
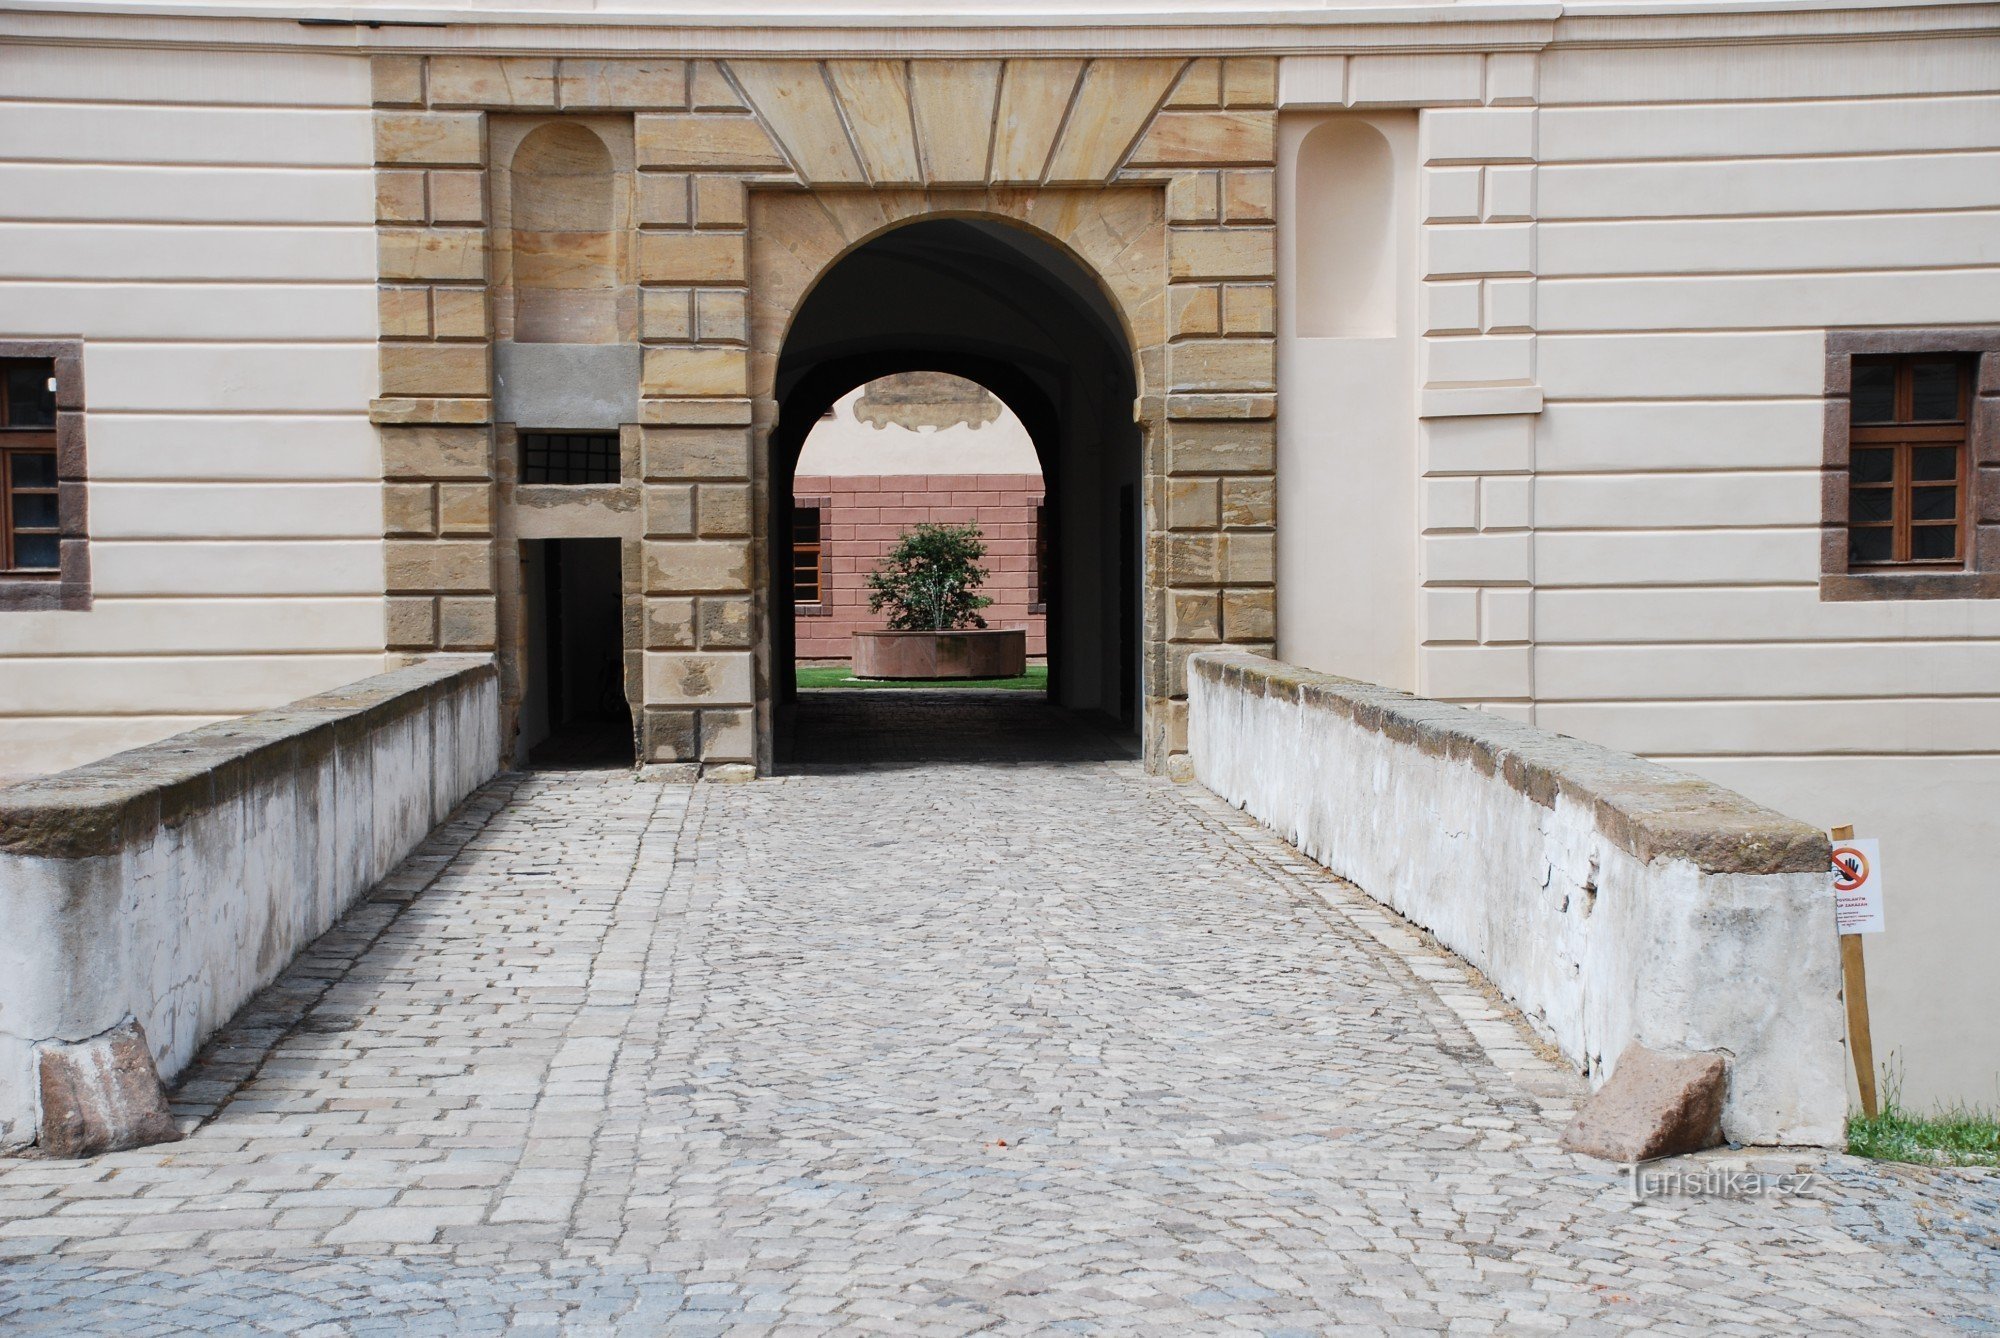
x=724, y=509
x=1222, y=253
x=396, y=80
x=1200, y=85
x=1250, y=558
x=724, y=623
x=1194, y=615
x=467, y=623
x=1249, y=615
x=459, y=313
x=431, y=253
x=443, y=138
x=465, y=508
x=669, y=510
x=663, y=200
x=436, y=452
x=1194, y=309
x=722, y=316
x=699, y=678
x=405, y=313
x=391, y=411
x=1250, y=81
x=695, y=371
x=1192, y=504
x=492, y=81
x=407, y=509
x=695, y=453
x=1247, y=447
x=1192, y=559
x=1655, y=1104
x=1250, y=503
x=412, y=623
x=1249, y=309
x=102, y=1095
x=435, y=369
x=720, y=202
x=1208, y=138
x=669, y=623
x=687, y=142
x=728, y=736
x=697, y=567
x=644, y=84
x=1249, y=197
x=695, y=413
x=666, y=313
x=1235, y=407
x=457, y=197
x=399, y=197
x=1193, y=197
x=437, y=565
x=691, y=257
x=668, y=736
x=1223, y=364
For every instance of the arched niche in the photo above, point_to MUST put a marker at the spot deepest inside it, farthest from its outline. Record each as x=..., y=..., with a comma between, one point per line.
x=566, y=271
x=1345, y=263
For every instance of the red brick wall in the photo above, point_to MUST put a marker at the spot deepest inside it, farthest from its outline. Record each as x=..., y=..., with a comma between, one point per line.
x=866, y=514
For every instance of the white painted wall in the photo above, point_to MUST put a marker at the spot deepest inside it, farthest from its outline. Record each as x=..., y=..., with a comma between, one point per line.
x=844, y=446
x=182, y=922
x=204, y=221
x=1629, y=259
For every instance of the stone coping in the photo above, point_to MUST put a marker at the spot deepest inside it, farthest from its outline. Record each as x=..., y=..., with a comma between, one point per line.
x=1648, y=810
x=98, y=808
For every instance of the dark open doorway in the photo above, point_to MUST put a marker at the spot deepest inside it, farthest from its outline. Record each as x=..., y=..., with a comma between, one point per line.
x=998, y=305
x=574, y=711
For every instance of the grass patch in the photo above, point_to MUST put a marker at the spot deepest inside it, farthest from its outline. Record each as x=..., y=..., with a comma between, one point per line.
x=838, y=676
x=1944, y=1138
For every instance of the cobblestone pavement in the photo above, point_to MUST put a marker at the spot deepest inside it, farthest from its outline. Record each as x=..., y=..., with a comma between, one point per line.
x=1003, y=1045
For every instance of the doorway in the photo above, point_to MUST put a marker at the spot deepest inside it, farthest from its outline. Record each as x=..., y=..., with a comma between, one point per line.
x=574, y=711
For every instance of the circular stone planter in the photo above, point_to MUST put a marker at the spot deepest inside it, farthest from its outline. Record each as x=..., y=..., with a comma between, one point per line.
x=992, y=653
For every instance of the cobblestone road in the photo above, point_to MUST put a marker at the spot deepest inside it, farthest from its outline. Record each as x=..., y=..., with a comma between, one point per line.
x=989, y=1043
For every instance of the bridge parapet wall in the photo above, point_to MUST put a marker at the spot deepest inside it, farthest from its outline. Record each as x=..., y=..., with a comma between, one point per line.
x=171, y=882
x=1612, y=899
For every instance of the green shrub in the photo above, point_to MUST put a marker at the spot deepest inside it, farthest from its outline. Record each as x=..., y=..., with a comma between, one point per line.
x=929, y=581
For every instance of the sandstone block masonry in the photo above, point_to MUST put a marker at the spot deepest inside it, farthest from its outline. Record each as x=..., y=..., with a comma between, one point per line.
x=1613, y=900
x=169, y=883
x=1156, y=172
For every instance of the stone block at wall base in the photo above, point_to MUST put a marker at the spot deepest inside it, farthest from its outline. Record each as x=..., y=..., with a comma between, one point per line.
x=1655, y=1104
x=102, y=1095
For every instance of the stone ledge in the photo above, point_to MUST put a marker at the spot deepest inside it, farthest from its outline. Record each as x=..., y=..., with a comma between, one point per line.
x=1648, y=810
x=98, y=808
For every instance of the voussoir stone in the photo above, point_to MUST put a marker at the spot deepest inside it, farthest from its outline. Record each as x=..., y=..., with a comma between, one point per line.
x=1656, y=1104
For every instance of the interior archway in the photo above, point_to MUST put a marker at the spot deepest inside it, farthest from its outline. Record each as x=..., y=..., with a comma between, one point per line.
x=998, y=305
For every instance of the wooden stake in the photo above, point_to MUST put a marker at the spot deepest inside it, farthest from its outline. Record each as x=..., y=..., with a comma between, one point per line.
x=1854, y=983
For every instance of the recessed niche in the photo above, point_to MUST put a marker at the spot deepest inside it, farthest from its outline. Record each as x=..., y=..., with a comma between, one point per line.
x=566, y=226
x=1344, y=232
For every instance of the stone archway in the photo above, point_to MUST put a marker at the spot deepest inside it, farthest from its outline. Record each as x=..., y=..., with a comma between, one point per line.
x=752, y=176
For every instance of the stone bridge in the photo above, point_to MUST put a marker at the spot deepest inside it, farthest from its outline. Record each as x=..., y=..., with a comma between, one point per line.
x=965, y=1023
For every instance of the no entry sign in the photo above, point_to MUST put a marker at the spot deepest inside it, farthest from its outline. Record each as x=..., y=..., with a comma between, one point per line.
x=1857, y=886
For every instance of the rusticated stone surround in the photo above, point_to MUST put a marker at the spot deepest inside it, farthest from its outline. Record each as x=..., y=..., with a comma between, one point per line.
x=753, y=176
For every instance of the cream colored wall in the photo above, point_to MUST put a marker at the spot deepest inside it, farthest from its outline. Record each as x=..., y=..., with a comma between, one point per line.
x=1629, y=260
x=205, y=222
x=843, y=446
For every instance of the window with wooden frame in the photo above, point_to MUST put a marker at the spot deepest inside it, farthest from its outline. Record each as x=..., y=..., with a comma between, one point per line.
x=1908, y=421
x=808, y=552
x=30, y=512
x=1912, y=466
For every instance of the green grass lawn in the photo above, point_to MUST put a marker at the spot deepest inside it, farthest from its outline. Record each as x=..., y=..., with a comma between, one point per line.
x=837, y=676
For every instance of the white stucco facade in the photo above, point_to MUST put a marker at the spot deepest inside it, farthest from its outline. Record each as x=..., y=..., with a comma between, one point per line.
x=1551, y=386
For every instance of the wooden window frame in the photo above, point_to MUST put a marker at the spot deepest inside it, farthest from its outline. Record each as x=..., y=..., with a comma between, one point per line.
x=66, y=586
x=817, y=606
x=1973, y=572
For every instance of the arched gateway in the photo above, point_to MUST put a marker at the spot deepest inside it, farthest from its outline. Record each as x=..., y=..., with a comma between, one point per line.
x=1091, y=239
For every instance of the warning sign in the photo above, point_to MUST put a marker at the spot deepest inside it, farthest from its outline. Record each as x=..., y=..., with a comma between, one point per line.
x=1857, y=886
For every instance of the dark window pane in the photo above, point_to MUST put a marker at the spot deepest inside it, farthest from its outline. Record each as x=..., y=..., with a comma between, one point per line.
x=30, y=402
x=1870, y=504
x=1872, y=466
x=1934, y=504
x=37, y=551
x=1934, y=390
x=1934, y=541
x=35, y=511
x=1868, y=545
x=1874, y=399
x=1934, y=462
x=35, y=469
x=569, y=457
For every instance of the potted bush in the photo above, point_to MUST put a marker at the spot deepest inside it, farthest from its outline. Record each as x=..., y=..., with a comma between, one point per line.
x=928, y=584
